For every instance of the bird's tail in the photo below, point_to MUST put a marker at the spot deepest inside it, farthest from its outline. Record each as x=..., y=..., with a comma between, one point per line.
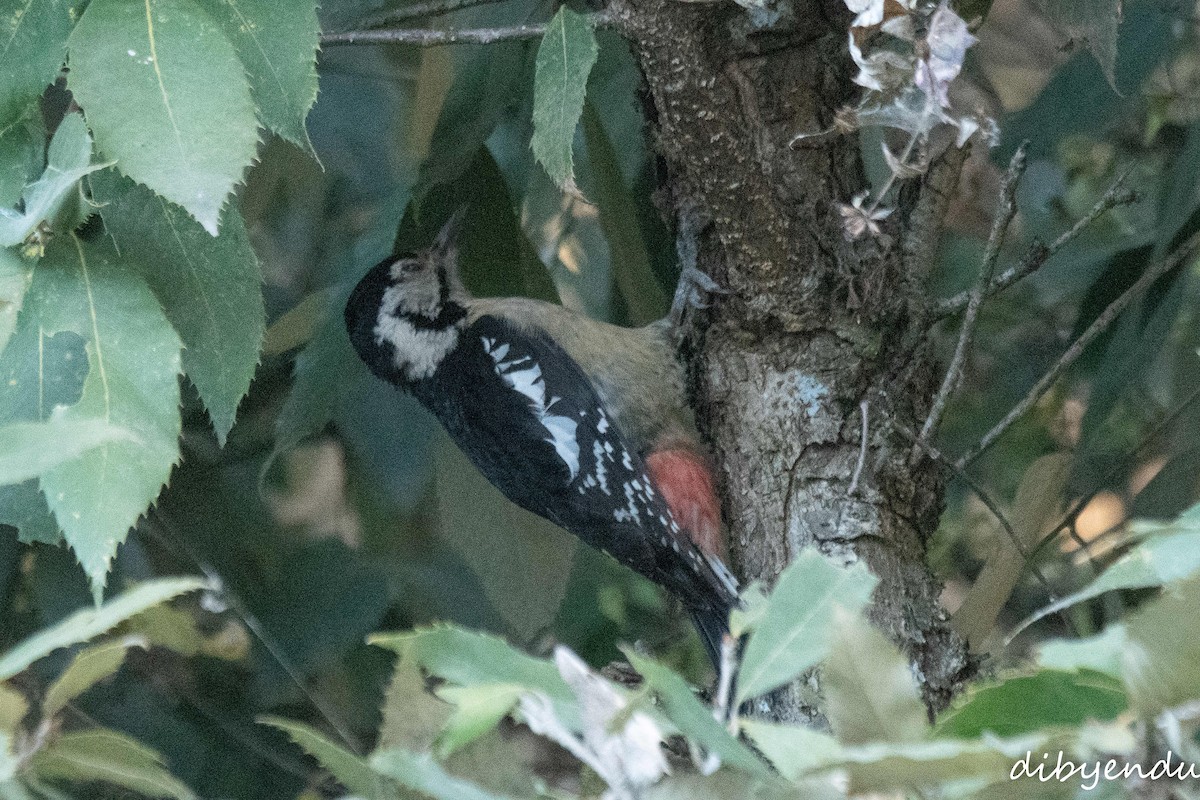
x=713, y=625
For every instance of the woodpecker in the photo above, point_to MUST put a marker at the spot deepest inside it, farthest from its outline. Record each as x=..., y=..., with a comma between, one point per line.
x=579, y=421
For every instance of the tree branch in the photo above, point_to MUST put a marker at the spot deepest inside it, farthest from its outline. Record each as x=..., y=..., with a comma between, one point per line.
x=429, y=37
x=1072, y=354
x=433, y=8
x=1040, y=253
x=1008, y=209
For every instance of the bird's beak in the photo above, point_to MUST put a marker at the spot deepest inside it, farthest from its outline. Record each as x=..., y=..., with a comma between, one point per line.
x=445, y=246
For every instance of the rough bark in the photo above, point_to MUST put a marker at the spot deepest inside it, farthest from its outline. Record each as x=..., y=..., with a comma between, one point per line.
x=813, y=325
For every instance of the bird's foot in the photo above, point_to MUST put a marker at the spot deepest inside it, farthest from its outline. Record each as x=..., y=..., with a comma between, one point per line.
x=695, y=290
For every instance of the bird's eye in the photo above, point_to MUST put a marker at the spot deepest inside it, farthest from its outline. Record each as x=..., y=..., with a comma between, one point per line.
x=409, y=267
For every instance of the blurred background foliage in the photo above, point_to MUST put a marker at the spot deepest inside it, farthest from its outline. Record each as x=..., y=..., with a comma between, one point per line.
x=337, y=507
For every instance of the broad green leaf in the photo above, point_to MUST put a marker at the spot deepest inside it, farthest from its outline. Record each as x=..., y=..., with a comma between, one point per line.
x=210, y=287
x=792, y=749
x=1160, y=559
x=166, y=96
x=870, y=692
x=22, y=153
x=86, y=669
x=1161, y=663
x=794, y=633
x=33, y=45
x=421, y=773
x=40, y=369
x=27, y=449
x=754, y=606
x=477, y=710
x=564, y=60
x=1099, y=653
x=13, y=708
x=630, y=258
x=14, y=279
x=1030, y=703
x=89, y=622
x=514, y=545
x=1037, y=504
x=298, y=325
x=111, y=757
x=694, y=719
x=276, y=41
x=133, y=356
x=68, y=160
x=350, y=770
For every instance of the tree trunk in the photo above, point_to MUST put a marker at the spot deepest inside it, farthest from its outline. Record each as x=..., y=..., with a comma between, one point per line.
x=813, y=325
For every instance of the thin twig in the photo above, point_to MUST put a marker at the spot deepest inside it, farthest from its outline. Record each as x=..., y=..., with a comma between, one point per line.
x=1068, y=520
x=864, y=407
x=1008, y=210
x=1040, y=253
x=728, y=666
x=156, y=528
x=428, y=37
x=433, y=8
x=1072, y=354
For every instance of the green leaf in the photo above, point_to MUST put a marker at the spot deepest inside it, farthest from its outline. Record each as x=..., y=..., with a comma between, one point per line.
x=210, y=287
x=276, y=41
x=350, y=770
x=1161, y=558
x=166, y=96
x=693, y=718
x=754, y=606
x=412, y=717
x=89, y=622
x=1161, y=662
x=86, y=669
x=13, y=707
x=68, y=160
x=630, y=258
x=133, y=357
x=794, y=633
x=1099, y=653
x=514, y=544
x=870, y=693
x=1029, y=703
x=477, y=710
x=1092, y=23
x=32, y=48
x=421, y=773
x=22, y=153
x=298, y=325
x=792, y=749
x=27, y=449
x=564, y=59
x=111, y=757
x=24, y=507
x=14, y=280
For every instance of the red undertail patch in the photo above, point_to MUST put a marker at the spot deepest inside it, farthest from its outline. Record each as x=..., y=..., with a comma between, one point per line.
x=685, y=480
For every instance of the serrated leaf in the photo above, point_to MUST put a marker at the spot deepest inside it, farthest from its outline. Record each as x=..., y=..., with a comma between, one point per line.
x=1025, y=704
x=39, y=369
x=86, y=669
x=693, y=718
x=1093, y=23
x=67, y=161
x=794, y=633
x=24, y=507
x=166, y=96
x=276, y=41
x=89, y=622
x=1099, y=653
x=13, y=707
x=412, y=717
x=1160, y=664
x=22, y=153
x=33, y=45
x=870, y=692
x=111, y=757
x=27, y=449
x=350, y=770
x=477, y=710
x=210, y=287
x=133, y=357
x=421, y=773
x=14, y=279
x=564, y=60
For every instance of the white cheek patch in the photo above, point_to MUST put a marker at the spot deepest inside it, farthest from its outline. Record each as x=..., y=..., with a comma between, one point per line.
x=525, y=376
x=418, y=352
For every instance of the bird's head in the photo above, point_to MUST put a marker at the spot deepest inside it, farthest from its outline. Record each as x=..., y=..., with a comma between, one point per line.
x=403, y=317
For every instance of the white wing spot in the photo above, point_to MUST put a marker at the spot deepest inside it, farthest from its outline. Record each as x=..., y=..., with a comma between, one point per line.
x=529, y=382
